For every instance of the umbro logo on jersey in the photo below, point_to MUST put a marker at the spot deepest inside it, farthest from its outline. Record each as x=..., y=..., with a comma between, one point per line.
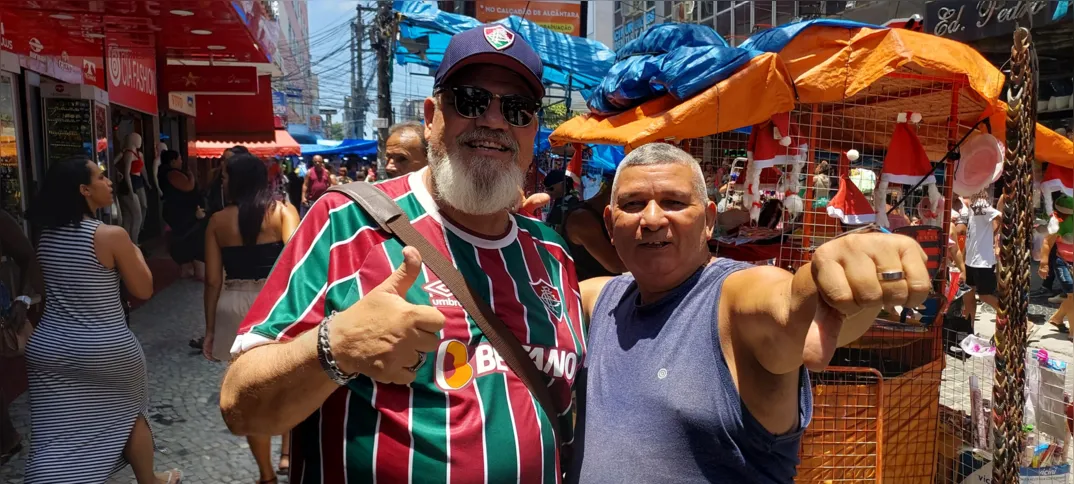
x=440, y=295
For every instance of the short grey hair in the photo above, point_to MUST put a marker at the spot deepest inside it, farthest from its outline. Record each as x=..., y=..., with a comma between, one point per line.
x=658, y=153
x=416, y=127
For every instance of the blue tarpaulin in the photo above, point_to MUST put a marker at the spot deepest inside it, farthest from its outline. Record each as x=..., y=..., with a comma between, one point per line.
x=570, y=62
x=677, y=59
x=776, y=38
x=604, y=158
x=358, y=147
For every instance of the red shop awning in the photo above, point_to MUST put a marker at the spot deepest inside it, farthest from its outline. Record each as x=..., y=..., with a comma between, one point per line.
x=280, y=143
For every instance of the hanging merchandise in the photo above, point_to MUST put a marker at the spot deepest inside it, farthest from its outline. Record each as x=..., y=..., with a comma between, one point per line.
x=773, y=143
x=980, y=164
x=905, y=164
x=1061, y=221
x=1056, y=179
x=849, y=204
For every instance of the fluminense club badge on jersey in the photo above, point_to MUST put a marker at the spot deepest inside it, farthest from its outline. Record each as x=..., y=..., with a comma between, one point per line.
x=499, y=37
x=549, y=295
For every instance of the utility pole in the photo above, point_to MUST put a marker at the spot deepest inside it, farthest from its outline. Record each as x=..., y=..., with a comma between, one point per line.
x=358, y=93
x=383, y=44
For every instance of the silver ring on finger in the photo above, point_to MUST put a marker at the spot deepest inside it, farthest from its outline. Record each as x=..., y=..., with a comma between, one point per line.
x=421, y=361
x=888, y=276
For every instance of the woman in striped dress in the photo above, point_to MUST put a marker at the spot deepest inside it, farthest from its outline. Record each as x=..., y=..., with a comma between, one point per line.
x=87, y=374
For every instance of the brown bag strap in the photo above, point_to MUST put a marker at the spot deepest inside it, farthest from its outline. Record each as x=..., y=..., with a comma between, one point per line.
x=392, y=220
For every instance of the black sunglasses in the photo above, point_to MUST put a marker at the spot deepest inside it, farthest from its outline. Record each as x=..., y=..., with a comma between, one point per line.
x=471, y=102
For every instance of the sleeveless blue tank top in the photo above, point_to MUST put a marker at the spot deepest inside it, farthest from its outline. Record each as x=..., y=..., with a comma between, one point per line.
x=659, y=403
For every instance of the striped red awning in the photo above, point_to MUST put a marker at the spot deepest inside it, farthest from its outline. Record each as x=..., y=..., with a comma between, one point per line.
x=280, y=143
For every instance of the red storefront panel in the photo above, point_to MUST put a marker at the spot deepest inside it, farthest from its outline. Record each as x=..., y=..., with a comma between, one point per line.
x=228, y=114
x=132, y=74
x=211, y=79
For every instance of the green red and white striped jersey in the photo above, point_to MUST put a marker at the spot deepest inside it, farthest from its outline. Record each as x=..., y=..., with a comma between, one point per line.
x=466, y=418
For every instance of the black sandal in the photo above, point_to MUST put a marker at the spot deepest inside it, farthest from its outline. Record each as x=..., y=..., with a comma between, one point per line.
x=282, y=469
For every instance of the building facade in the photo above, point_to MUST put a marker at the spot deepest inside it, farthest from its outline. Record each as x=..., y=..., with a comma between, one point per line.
x=297, y=82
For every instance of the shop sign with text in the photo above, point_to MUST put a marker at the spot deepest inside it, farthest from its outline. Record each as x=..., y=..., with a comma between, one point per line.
x=182, y=102
x=562, y=17
x=211, y=79
x=968, y=20
x=132, y=76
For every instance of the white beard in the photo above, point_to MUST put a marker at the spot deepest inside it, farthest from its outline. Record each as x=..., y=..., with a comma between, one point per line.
x=480, y=187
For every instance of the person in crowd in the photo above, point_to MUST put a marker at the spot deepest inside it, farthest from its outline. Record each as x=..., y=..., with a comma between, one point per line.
x=343, y=176
x=587, y=237
x=216, y=199
x=560, y=189
x=896, y=218
x=318, y=179
x=1060, y=240
x=21, y=292
x=982, y=252
x=243, y=241
x=1047, y=286
x=181, y=211
x=294, y=183
x=405, y=150
x=354, y=295
x=711, y=354
x=371, y=174
x=89, y=393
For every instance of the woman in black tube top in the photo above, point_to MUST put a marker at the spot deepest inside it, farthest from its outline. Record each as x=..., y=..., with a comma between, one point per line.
x=242, y=243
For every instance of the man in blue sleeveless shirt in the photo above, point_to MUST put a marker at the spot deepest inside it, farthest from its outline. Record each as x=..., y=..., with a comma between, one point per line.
x=696, y=369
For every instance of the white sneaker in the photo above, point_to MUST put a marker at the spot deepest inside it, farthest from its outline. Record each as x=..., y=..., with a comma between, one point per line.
x=1057, y=299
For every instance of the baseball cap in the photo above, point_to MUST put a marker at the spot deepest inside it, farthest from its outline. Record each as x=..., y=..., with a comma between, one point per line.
x=492, y=44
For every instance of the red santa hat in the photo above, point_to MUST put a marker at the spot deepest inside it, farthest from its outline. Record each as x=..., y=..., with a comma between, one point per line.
x=905, y=163
x=1056, y=179
x=849, y=204
x=774, y=143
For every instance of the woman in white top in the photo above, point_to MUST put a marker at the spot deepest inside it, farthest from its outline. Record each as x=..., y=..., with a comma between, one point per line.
x=982, y=250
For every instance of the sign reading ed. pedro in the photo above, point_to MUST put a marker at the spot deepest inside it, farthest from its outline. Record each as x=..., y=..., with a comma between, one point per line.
x=563, y=17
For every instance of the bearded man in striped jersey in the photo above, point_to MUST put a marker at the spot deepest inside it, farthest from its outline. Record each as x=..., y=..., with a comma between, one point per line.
x=380, y=412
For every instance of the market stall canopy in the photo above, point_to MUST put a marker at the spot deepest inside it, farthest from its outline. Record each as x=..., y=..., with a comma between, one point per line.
x=278, y=143
x=759, y=89
x=572, y=63
x=358, y=147
x=876, y=72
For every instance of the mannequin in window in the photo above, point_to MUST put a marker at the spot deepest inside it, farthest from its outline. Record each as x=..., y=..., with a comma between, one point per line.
x=131, y=189
x=150, y=177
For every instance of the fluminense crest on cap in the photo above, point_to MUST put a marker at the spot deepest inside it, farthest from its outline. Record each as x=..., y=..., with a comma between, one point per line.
x=499, y=37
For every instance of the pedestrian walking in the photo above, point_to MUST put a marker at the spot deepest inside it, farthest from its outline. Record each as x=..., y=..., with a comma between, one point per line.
x=243, y=241
x=181, y=211
x=1060, y=240
x=318, y=179
x=371, y=357
x=20, y=293
x=711, y=354
x=89, y=394
x=982, y=252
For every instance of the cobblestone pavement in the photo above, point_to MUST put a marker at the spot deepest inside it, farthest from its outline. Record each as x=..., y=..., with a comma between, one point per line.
x=183, y=398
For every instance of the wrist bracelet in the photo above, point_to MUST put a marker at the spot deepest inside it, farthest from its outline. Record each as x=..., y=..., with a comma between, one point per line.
x=324, y=355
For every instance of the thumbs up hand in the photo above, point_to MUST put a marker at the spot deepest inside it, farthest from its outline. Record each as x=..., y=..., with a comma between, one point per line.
x=383, y=336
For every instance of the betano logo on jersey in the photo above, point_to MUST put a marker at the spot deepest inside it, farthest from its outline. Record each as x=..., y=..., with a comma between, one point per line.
x=456, y=367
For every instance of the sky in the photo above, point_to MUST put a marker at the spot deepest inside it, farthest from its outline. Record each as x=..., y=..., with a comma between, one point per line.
x=330, y=57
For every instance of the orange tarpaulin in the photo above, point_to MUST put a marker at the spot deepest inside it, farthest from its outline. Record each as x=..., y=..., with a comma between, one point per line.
x=829, y=64
x=751, y=95
x=279, y=143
